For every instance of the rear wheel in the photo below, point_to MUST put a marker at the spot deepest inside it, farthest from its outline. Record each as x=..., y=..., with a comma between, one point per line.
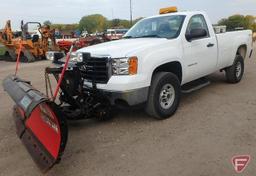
x=164, y=95
x=234, y=73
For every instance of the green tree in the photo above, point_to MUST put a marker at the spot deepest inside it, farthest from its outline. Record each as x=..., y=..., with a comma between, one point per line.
x=119, y=23
x=125, y=23
x=250, y=22
x=61, y=27
x=115, y=23
x=93, y=23
x=235, y=21
x=47, y=22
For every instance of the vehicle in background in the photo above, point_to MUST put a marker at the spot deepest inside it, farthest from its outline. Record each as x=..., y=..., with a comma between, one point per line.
x=115, y=34
x=88, y=40
x=220, y=29
x=34, y=44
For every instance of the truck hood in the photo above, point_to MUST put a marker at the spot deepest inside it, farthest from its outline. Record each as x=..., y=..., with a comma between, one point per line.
x=123, y=47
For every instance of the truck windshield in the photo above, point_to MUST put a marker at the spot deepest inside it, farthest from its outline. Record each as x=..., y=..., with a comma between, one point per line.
x=159, y=27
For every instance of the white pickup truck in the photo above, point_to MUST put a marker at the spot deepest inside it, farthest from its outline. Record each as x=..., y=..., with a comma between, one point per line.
x=161, y=55
x=157, y=60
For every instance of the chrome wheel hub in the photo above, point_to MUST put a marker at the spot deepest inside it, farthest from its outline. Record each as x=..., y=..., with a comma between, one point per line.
x=238, y=69
x=167, y=96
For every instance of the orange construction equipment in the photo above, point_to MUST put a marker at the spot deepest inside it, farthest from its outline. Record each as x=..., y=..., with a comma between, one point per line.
x=6, y=38
x=34, y=47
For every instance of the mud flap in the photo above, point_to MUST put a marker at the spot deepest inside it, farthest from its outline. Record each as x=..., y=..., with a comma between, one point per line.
x=39, y=123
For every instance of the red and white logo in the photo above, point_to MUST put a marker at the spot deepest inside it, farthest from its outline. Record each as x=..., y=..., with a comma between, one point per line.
x=240, y=162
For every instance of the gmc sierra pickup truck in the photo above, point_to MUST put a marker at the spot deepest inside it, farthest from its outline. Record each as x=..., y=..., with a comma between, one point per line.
x=157, y=60
x=163, y=53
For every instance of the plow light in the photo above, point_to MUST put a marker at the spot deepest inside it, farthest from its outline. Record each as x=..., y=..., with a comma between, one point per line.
x=54, y=55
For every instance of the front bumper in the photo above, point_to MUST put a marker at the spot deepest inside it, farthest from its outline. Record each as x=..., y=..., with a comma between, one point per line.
x=130, y=98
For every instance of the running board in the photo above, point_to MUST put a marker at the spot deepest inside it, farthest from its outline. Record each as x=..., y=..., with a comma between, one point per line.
x=195, y=85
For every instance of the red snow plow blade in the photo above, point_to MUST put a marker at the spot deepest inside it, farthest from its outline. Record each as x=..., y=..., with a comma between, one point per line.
x=39, y=124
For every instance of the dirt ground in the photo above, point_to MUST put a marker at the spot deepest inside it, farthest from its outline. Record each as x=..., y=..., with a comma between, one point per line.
x=211, y=126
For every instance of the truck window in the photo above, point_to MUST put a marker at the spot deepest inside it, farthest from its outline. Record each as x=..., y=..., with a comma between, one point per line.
x=161, y=27
x=197, y=22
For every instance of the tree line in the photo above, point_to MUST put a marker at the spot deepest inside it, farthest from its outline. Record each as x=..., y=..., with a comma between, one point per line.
x=97, y=22
x=93, y=23
x=239, y=21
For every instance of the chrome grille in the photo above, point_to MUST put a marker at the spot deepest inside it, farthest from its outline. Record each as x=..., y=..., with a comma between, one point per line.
x=95, y=69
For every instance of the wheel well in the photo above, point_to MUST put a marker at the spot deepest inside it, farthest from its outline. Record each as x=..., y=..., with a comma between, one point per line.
x=173, y=67
x=242, y=50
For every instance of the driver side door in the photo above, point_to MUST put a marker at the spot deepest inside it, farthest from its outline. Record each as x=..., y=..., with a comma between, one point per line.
x=200, y=54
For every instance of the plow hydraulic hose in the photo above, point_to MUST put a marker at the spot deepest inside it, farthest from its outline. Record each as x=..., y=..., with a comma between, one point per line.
x=18, y=59
x=62, y=73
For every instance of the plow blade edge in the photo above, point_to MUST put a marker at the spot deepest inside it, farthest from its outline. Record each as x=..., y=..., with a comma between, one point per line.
x=39, y=124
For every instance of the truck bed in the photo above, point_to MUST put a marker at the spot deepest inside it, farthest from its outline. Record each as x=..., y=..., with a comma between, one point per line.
x=228, y=42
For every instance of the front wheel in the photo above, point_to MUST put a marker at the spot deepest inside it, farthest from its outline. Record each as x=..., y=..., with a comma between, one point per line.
x=234, y=73
x=164, y=95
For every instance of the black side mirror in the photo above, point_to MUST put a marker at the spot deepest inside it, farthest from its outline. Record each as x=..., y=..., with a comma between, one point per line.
x=196, y=33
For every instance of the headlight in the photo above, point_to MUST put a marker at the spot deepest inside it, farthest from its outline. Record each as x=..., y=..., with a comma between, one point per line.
x=49, y=55
x=76, y=57
x=125, y=66
x=54, y=55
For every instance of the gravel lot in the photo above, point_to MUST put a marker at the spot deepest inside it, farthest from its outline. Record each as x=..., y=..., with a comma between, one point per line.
x=211, y=126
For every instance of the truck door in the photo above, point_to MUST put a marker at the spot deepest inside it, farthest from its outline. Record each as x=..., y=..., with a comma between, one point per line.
x=200, y=51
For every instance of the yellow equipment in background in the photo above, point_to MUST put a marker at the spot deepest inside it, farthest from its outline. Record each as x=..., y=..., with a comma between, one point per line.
x=34, y=47
x=168, y=10
x=6, y=38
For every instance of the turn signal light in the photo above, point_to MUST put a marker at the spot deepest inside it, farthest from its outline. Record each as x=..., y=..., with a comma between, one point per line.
x=133, y=65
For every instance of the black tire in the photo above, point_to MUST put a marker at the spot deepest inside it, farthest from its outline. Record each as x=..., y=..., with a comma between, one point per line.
x=154, y=107
x=234, y=73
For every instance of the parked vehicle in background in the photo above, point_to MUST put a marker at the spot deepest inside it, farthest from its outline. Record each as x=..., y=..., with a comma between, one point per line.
x=35, y=44
x=116, y=34
x=65, y=44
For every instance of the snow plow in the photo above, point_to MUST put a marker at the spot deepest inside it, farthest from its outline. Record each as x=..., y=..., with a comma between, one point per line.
x=41, y=119
x=39, y=123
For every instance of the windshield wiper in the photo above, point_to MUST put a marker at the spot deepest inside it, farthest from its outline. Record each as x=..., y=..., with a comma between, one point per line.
x=143, y=36
x=127, y=37
x=149, y=36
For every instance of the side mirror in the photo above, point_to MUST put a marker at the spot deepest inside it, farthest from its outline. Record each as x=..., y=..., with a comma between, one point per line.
x=196, y=33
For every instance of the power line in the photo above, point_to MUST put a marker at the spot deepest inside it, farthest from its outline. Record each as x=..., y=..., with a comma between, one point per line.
x=131, y=12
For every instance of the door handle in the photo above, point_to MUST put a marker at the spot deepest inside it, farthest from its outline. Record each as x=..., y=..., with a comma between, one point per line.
x=210, y=45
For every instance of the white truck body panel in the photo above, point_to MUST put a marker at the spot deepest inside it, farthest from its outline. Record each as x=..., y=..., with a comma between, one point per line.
x=228, y=44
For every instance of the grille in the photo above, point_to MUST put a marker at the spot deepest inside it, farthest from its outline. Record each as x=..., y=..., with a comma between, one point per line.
x=95, y=69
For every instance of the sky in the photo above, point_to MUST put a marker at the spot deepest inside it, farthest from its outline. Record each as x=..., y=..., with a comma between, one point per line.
x=71, y=11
